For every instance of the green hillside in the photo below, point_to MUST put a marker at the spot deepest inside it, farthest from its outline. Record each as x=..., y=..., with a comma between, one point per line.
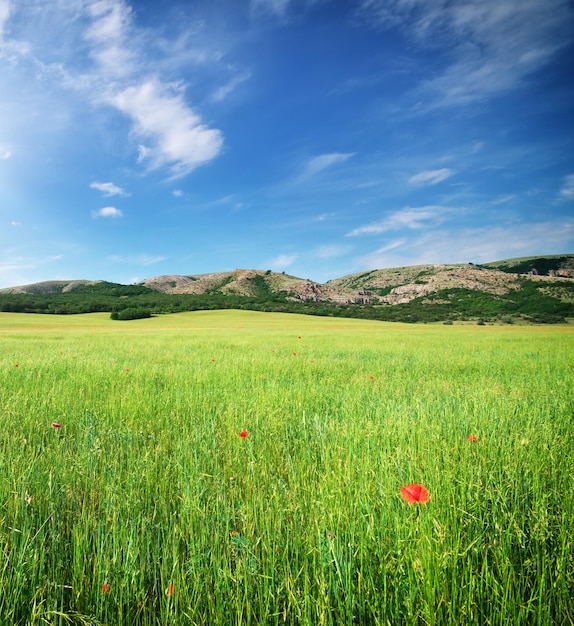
x=525, y=290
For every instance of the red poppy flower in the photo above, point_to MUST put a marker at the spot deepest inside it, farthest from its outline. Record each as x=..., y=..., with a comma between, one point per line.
x=105, y=588
x=294, y=354
x=472, y=437
x=243, y=433
x=15, y=364
x=371, y=377
x=415, y=493
x=56, y=425
x=170, y=589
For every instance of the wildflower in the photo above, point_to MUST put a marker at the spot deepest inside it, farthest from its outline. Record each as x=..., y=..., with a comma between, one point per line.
x=233, y=533
x=56, y=425
x=299, y=337
x=243, y=434
x=15, y=364
x=472, y=437
x=105, y=588
x=170, y=589
x=294, y=354
x=415, y=493
x=371, y=377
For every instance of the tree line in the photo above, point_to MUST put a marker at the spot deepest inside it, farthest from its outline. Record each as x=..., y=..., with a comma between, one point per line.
x=530, y=303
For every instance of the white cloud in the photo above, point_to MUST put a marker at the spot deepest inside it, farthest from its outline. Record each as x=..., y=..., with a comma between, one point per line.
x=410, y=217
x=5, y=153
x=178, y=138
x=107, y=211
x=323, y=161
x=177, y=193
x=431, y=177
x=567, y=191
x=108, y=189
x=96, y=49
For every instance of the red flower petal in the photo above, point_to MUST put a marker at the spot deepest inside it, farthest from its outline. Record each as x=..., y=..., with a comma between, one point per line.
x=243, y=433
x=105, y=588
x=56, y=425
x=472, y=437
x=170, y=589
x=415, y=493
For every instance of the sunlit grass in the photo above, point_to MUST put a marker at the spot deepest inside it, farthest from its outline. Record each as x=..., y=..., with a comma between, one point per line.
x=148, y=487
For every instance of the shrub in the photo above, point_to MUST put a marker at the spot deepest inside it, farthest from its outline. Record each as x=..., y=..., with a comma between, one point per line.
x=134, y=313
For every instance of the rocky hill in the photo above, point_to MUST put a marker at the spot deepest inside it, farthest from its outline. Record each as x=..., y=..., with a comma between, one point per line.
x=254, y=283
x=536, y=288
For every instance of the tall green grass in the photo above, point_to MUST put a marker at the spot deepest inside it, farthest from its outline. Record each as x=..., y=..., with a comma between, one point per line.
x=147, y=507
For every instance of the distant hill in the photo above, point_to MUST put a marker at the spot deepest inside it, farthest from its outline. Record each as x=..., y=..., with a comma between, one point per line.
x=531, y=288
x=554, y=265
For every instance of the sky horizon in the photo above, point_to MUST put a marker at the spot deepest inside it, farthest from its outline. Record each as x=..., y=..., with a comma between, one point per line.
x=316, y=137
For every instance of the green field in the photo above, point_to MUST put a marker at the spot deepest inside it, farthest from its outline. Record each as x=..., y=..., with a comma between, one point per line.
x=147, y=506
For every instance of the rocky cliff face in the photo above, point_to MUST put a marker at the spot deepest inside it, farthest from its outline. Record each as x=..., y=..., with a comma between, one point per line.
x=389, y=286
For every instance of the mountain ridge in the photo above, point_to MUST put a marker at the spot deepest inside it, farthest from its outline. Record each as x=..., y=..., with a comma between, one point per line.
x=543, y=291
x=397, y=285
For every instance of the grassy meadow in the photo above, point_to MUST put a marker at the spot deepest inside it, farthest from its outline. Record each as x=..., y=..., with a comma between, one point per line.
x=148, y=506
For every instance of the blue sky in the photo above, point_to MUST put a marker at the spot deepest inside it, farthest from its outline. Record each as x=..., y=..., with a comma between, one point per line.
x=315, y=137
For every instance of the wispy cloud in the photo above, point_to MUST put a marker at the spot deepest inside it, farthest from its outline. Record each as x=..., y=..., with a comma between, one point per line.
x=331, y=251
x=567, y=191
x=323, y=161
x=4, y=14
x=223, y=91
x=107, y=211
x=137, y=259
x=431, y=177
x=5, y=153
x=494, y=45
x=473, y=245
x=274, y=7
x=503, y=200
x=15, y=268
x=282, y=261
x=108, y=35
x=109, y=189
x=410, y=218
